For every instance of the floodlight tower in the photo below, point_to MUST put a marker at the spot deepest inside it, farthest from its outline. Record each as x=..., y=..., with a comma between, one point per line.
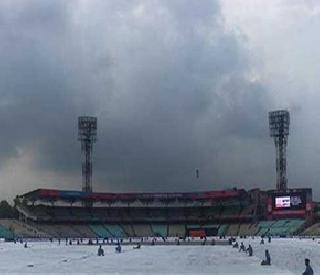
x=279, y=122
x=87, y=135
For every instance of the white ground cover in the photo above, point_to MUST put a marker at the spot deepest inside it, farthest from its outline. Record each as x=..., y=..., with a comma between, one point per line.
x=287, y=257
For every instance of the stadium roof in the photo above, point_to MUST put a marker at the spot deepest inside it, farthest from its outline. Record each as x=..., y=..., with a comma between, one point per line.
x=67, y=195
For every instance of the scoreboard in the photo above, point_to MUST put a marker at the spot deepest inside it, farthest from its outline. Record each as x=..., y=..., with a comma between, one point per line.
x=291, y=202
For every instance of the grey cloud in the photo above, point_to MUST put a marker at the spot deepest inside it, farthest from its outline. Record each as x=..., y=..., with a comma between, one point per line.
x=167, y=81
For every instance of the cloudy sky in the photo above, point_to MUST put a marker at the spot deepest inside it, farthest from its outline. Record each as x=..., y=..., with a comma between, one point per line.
x=177, y=85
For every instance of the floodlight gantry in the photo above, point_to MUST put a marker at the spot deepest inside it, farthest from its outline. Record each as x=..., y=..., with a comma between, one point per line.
x=279, y=122
x=87, y=135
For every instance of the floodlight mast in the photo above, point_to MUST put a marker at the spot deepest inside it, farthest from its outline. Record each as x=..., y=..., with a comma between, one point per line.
x=279, y=122
x=87, y=135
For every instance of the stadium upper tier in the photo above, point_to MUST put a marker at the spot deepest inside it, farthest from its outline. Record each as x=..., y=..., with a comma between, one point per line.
x=79, y=196
x=44, y=205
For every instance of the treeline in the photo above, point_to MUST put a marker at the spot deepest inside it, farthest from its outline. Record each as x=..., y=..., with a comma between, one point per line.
x=7, y=211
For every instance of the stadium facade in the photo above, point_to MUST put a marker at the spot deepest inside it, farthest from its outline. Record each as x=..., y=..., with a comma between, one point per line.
x=236, y=212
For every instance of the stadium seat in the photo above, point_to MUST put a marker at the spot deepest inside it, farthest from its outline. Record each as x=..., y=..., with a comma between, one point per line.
x=142, y=230
x=5, y=233
x=101, y=231
x=175, y=230
x=160, y=230
x=115, y=230
x=232, y=230
x=222, y=231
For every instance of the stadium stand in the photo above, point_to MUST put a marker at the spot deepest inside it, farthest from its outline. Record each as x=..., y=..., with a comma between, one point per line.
x=222, y=231
x=6, y=233
x=247, y=229
x=313, y=230
x=177, y=230
x=119, y=215
x=249, y=210
x=264, y=227
x=128, y=229
x=100, y=231
x=20, y=229
x=233, y=230
x=83, y=231
x=60, y=230
x=116, y=231
x=142, y=230
x=284, y=227
x=160, y=230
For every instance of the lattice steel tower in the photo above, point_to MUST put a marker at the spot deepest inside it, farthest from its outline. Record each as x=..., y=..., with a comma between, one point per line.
x=87, y=135
x=279, y=122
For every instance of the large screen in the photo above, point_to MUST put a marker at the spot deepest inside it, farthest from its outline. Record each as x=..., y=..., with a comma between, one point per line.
x=282, y=202
x=291, y=201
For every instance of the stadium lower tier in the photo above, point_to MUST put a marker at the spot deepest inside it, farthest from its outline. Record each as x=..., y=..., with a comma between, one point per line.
x=13, y=228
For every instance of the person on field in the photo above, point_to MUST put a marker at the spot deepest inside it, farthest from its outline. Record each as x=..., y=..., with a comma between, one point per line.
x=100, y=251
x=309, y=270
x=118, y=248
x=267, y=260
x=249, y=250
x=242, y=248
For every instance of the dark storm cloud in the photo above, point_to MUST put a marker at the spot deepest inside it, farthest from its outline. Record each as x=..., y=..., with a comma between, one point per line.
x=169, y=83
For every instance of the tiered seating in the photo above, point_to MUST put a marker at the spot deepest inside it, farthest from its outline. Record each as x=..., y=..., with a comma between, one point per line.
x=176, y=230
x=280, y=227
x=84, y=231
x=230, y=203
x=116, y=230
x=222, y=231
x=317, y=209
x=313, y=230
x=160, y=230
x=60, y=231
x=101, y=231
x=230, y=212
x=142, y=230
x=48, y=229
x=249, y=210
x=214, y=212
x=247, y=229
x=233, y=230
x=285, y=227
x=264, y=227
x=211, y=229
x=230, y=208
x=295, y=226
x=35, y=213
x=21, y=229
x=5, y=233
x=128, y=229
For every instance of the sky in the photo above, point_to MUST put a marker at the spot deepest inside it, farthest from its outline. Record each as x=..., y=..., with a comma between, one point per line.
x=176, y=85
